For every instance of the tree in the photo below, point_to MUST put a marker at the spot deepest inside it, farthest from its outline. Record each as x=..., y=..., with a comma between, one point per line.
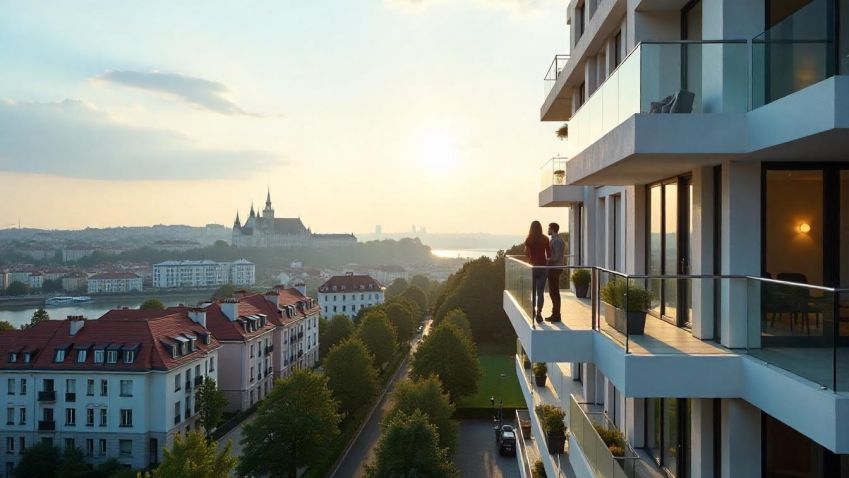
x=73, y=464
x=350, y=375
x=292, y=426
x=402, y=319
x=409, y=447
x=39, y=315
x=210, y=402
x=449, y=354
x=51, y=285
x=377, y=333
x=337, y=329
x=152, y=304
x=193, y=456
x=6, y=325
x=38, y=461
x=224, y=292
x=426, y=396
x=17, y=288
x=418, y=296
x=397, y=288
x=421, y=281
x=458, y=317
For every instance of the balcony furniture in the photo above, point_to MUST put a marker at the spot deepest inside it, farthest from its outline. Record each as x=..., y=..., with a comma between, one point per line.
x=70, y=397
x=46, y=425
x=47, y=396
x=680, y=102
x=798, y=301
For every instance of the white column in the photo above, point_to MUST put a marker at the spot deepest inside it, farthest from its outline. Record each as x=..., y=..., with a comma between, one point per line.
x=589, y=382
x=741, y=440
x=635, y=421
x=702, y=247
x=701, y=438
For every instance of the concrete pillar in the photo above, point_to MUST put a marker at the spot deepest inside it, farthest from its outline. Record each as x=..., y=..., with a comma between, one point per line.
x=741, y=440
x=741, y=246
x=634, y=218
x=589, y=382
x=702, y=248
x=635, y=421
x=701, y=438
x=610, y=232
x=600, y=232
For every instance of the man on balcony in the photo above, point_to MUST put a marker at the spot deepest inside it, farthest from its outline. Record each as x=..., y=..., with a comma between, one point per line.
x=555, y=259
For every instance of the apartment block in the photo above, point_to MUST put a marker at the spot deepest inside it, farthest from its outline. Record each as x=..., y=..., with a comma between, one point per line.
x=706, y=193
x=114, y=282
x=348, y=294
x=112, y=387
x=205, y=273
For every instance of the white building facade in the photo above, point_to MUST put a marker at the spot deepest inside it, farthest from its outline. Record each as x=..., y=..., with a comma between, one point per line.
x=702, y=178
x=205, y=273
x=114, y=282
x=348, y=294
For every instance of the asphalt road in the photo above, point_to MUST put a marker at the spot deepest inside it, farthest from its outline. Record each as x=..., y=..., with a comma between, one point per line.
x=364, y=447
x=476, y=455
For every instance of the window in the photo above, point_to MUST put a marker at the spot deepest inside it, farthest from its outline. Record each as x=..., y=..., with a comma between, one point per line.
x=81, y=355
x=102, y=446
x=22, y=416
x=197, y=370
x=252, y=374
x=177, y=383
x=10, y=416
x=103, y=416
x=104, y=388
x=22, y=444
x=10, y=445
x=112, y=356
x=617, y=49
x=10, y=386
x=126, y=388
x=71, y=417
x=89, y=446
x=177, y=412
x=70, y=443
x=47, y=385
x=211, y=364
x=129, y=356
x=27, y=357
x=23, y=386
x=59, y=355
x=13, y=357
x=125, y=447
x=70, y=385
x=89, y=387
x=89, y=417
x=98, y=356
x=126, y=417
x=252, y=350
x=579, y=22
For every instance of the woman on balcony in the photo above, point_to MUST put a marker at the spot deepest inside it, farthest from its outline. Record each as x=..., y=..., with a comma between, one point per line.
x=537, y=248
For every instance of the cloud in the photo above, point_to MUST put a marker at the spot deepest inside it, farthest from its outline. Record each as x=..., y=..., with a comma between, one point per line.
x=200, y=92
x=71, y=138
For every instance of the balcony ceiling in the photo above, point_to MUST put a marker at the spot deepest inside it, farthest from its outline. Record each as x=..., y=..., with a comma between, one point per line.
x=659, y=5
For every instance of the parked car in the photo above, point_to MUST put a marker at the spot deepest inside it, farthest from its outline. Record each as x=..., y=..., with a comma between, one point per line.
x=507, y=440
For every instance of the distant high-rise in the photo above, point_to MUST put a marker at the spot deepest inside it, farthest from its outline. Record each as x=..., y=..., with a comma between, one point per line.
x=378, y=229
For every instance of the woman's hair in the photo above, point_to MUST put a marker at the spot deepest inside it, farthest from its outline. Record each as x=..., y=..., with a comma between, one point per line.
x=535, y=237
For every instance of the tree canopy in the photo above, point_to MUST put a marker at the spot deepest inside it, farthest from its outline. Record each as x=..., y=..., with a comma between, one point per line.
x=448, y=353
x=418, y=296
x=458, y=317
x=334, y=330
x=350, y=374
x=39, y=315
x=292, y=427
x=401, y=315
x=409, y=448
x=193, y=456
x=210, y=403
x=377, y=333
x=41, y=460
x=396, y=288
x=6, y=325
x=152, y=304
x=17, y=288
x=224, y=292
x=426, y=395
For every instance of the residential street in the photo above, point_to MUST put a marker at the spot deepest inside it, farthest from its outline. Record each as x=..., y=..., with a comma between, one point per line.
x=476, y=455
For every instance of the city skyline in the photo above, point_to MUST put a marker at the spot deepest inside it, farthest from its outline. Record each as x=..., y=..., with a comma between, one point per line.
x=107, y=130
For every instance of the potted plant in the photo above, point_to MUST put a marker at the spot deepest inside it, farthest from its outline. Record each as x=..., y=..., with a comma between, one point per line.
x=582, y=278
x=627, y=318
x=560, y=177
x=613, y=438
x=526, y=362
x=538, y=470
x=555, y=429
x=540, y=369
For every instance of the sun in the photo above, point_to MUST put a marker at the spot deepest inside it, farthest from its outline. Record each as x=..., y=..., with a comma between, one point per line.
x=437, y=150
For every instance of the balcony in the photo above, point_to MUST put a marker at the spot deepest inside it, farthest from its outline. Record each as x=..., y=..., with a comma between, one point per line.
x=46, y=425
x=560, y=105
x=586, y=426
x=70, y=397
x=554, y=191
x=47, y=396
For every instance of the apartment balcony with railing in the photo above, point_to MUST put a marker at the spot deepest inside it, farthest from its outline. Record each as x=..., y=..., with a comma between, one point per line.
x=554, y=191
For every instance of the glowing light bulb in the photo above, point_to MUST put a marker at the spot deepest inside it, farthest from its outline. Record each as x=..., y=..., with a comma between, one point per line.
x=804, y=228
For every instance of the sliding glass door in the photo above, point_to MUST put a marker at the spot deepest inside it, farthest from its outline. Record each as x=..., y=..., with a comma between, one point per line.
x=667, y=424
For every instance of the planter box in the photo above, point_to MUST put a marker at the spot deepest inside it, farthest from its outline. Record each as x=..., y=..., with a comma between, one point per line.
x=540, y=380
x=582, y=291
x=556, y=445
x=615, y=317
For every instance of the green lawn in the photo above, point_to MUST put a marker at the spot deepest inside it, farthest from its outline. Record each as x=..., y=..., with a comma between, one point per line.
x=492, y=385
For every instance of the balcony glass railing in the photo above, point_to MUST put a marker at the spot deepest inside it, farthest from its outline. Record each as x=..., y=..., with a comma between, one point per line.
x=553, y=173
x=795, y=53
x=586, y=428
x=675, y=77
x=553, y=73
x=798, y=327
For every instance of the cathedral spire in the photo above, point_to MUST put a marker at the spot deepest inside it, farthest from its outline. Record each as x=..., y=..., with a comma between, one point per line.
x=268, y=199
x=237, y=222
x=252, y=210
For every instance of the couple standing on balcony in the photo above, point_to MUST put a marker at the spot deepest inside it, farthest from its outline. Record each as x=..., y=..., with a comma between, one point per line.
x=544, y=252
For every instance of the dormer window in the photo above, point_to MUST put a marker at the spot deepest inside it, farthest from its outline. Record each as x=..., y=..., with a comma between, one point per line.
x=13, y=357
x=129, y=356
x=81, y=355
x=27, y=357
x=112, y=356
x=59, y=355
x=99, y=356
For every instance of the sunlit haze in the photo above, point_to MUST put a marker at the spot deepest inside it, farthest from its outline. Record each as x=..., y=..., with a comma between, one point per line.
x=354, y=113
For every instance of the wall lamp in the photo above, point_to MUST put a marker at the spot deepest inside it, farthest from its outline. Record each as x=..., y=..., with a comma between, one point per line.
x=804, y=228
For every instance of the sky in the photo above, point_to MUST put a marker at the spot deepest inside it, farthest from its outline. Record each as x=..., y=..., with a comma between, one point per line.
x=353, y=113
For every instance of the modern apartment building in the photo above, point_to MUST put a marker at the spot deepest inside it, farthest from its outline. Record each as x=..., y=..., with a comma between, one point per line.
x=114, y=282
x=112, y=387
x=706, y=190
x=348, y=294
x=205, y=273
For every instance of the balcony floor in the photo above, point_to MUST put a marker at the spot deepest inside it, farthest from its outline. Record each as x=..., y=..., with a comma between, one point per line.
x=660, y=337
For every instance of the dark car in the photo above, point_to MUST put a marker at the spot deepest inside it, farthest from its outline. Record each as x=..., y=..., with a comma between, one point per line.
x=506, y=441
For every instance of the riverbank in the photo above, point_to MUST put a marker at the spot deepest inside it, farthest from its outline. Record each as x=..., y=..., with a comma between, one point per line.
x=38, y=299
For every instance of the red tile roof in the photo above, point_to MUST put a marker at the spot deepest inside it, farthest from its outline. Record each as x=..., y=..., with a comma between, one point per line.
x=351, y=283
x=115, y=275
x=256, y=304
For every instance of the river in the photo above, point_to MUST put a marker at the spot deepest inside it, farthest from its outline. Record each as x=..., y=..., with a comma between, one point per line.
x=94, y=309
x=464, y=253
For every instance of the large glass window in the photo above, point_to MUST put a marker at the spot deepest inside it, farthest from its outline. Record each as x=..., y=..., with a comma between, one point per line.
x=667, y=434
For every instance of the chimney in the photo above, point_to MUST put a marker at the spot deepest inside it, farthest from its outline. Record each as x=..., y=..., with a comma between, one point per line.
x=198, y=315
x=77, y=322
x=272, y=296
x=301, y=287
x=230, y=308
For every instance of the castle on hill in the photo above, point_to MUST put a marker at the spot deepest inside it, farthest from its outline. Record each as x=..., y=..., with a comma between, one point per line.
x=268, y=231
